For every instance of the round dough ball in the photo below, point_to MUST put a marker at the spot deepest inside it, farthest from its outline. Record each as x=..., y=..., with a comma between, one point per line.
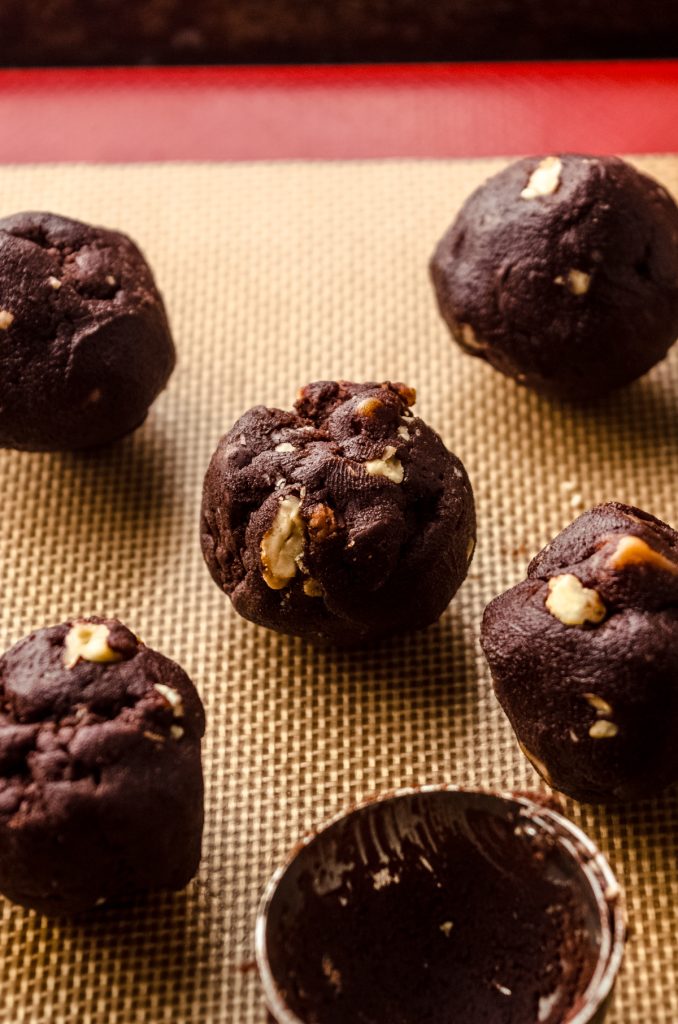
x=101, y=788
x=85, y=345
x=562, y=272
x=584, y=656
x=344, y=520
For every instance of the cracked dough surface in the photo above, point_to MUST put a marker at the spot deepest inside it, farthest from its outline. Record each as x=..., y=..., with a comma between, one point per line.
x=88, y=345
x=99, y=798
x=386, y=514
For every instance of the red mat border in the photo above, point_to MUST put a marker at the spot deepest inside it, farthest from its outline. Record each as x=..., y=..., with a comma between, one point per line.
x=337, y=112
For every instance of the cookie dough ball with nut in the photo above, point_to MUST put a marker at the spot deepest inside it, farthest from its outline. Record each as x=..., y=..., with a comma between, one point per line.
x=584, y=656
x=562, y=272
x=344, y=520
x=85, y=346
x=101, y=789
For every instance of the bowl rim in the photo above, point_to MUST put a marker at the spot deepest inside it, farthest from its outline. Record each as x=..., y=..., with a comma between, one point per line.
x=607, y=892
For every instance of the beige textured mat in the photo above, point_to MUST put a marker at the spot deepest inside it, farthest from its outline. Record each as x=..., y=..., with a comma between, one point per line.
x=274, y=276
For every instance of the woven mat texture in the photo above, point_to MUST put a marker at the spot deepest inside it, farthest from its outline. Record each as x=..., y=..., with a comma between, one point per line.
x=275, y=275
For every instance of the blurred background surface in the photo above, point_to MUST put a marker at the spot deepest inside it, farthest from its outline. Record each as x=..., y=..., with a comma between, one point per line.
x=99, y=32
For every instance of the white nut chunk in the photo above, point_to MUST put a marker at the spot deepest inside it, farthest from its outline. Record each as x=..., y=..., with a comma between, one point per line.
x=600, y=705
x=387, y=466
x=572, y=603
x=470, y=338
x=6, y=319
x=577, y=281
x=603, y=730
x=173, y=698
x=282, y=546
x=537, y=764
x=635, y=551
x=369, y=407
x=545, y=178
x=88, y=641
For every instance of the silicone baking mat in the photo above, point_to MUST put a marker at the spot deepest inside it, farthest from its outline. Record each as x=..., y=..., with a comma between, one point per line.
x=275, y=275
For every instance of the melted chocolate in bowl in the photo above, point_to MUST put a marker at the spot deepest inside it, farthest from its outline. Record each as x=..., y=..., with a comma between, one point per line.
x=432, y=908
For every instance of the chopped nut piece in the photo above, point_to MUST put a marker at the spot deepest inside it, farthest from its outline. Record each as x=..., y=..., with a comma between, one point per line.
x=408, y=395
x=155, y=737
x=285, y=447
x=603, y=730
x=176, y=732
x=572, y=603
x=446, y=927
x=322, y=523
x=600, y=705
x=387, y=466
x=404, y=433
x=110, y=280
x=312, y=588
x=383, y=878
x=469, y=338
x=332, y=973
x=95, y=395
x=578, y=282
x=54, y=283
x=88, y=641
x=369, y=407
x=538, y=765
x=544, y=180
x=173, y=698
x=282, y=546
x=6, y=319
x=634, y=551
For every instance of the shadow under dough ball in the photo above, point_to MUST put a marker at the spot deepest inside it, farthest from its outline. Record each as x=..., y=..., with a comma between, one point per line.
x=101, y=788
x=584, y=656
x=562, y=272
x=344, y=520
x=85, y=346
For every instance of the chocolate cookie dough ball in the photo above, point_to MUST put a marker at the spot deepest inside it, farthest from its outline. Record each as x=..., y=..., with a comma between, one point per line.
x=584, y=656
x=85, y=345
x=562, y=272
x=101, y=790
x=344, y=520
